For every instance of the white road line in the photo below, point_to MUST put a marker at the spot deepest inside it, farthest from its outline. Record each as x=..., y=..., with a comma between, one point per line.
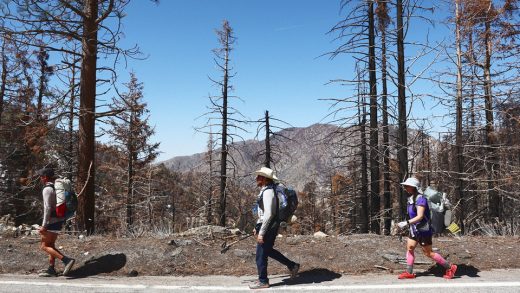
x=284, y=287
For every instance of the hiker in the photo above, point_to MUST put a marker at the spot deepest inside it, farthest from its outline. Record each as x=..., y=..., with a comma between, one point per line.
x=266, y=228
x=51, y=225
x=420, y=231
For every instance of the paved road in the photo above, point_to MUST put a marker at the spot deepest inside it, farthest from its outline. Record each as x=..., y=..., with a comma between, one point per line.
x=488, y=281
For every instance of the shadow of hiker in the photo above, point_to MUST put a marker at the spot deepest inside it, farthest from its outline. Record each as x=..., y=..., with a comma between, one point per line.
x=317, y=275
x=103, y=264
x=462, y=270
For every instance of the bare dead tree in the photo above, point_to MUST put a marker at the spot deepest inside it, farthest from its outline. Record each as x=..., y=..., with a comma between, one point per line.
x=383, y=19
x=222, y=115
x=375, y=200
x=402, y=133
x=274, y=139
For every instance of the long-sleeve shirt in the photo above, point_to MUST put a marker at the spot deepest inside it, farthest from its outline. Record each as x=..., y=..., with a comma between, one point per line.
x=49, y=206
x=267, y=215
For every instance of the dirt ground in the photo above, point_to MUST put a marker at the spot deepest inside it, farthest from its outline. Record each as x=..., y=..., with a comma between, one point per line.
x=199, y=252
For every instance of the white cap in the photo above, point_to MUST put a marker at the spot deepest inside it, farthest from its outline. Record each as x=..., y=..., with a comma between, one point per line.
x=412, y=181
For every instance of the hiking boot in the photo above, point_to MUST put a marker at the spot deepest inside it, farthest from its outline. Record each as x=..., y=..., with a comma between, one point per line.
x=49, y=272
x=259, y=285
x=406, y=275
x=294, y=270
x=68, y=262
x=450, y=273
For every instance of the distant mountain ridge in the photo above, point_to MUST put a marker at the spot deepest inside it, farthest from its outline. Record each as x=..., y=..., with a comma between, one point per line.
x=307, y=155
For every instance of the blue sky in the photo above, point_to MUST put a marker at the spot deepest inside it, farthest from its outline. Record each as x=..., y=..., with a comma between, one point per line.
x=276, y=59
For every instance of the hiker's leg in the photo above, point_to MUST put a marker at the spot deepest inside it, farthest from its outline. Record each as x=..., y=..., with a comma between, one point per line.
x=411, y=244
x=278, y=256
x=261, y=262
x=48, y=240
x=275, y=254
x=427, y=250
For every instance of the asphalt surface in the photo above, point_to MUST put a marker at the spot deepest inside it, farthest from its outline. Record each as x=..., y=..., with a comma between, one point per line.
x=485, y=281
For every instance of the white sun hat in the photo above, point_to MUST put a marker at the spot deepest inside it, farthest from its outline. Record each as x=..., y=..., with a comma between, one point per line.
x=412, y=181
x=267, y=173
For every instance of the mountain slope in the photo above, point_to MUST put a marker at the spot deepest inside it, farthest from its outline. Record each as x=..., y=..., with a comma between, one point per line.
x=305, y=155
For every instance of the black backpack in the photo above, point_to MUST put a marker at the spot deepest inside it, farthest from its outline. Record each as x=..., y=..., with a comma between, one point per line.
x=287, y=203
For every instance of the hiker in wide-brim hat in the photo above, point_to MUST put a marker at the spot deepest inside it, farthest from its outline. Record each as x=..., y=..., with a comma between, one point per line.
x=266, y=228
x=420, y=230
x=266, y=173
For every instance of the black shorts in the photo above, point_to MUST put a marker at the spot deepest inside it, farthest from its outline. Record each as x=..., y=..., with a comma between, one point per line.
x=55, y=227
x=422, y=240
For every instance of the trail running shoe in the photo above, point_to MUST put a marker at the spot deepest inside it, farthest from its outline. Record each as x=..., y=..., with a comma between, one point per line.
x=259, y=285
x=68, y=265
x=406, y=275
x=49, y=272
x=450, y=273
x=294, y=270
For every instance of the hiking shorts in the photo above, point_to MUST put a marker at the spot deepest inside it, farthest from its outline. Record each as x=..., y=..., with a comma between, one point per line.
x=55, y=227
x=423, y=240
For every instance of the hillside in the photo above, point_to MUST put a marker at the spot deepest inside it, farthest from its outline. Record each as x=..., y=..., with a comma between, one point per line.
x=301, y=155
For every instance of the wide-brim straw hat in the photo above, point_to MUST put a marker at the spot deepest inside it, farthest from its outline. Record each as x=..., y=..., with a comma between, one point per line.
x=267, y=173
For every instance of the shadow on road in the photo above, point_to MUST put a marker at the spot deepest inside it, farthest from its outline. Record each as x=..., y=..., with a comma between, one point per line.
x=462, y=270
x=103, y=264
x=308, y=277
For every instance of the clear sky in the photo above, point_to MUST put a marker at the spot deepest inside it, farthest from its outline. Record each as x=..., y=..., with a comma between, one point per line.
x=276, y=60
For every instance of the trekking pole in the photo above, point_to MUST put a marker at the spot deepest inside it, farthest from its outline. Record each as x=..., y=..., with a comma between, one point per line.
x=225, y=246
x=63, y=232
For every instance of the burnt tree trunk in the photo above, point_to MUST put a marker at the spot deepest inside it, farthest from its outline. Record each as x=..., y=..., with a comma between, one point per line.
x=402, y=136
x=224, y=149
x=491, y=166
x=458, y=121
x=267, y=162
x=86, y=168
x=375, y=200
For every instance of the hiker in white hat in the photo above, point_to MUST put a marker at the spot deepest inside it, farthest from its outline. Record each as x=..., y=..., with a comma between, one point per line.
x=266, y=228
x=420, y=230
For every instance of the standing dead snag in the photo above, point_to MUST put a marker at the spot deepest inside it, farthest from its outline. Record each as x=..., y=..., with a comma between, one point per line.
x=222, y=115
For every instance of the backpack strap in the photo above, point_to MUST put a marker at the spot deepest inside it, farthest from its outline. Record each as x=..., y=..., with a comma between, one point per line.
x=414, y=199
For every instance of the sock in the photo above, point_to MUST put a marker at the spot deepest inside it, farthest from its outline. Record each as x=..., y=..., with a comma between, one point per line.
x=440, y=260
x=410, y=258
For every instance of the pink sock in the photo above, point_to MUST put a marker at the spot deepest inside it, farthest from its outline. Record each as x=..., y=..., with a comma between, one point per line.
x=410, y=257
x=439, y=259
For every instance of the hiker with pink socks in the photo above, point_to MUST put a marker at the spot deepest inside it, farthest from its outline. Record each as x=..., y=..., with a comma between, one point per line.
x=420, y=231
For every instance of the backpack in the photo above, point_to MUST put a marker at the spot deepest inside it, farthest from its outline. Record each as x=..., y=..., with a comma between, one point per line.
x=440, y=209
x=287, y=203
x=66, y=198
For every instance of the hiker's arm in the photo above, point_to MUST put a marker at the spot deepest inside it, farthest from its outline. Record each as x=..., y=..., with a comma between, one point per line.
x=269, y=213
x=47, y=208
x=419, y=217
